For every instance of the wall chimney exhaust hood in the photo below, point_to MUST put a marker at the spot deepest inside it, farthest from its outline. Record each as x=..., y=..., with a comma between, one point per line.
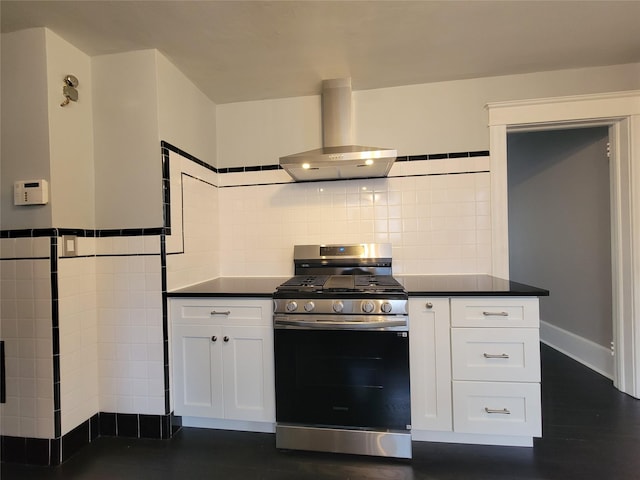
x=338, y=159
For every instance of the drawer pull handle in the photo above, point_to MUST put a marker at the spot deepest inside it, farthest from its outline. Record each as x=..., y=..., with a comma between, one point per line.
x=495, y=314
x=502, y=411
x=215, y=312
x=495, y=355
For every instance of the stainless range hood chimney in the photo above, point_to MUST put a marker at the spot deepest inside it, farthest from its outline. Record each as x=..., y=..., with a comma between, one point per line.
x=338, y=158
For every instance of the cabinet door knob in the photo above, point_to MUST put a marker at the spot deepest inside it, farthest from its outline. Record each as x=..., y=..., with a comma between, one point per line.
x=429, y=305
x=226, y=339
x=214, y=338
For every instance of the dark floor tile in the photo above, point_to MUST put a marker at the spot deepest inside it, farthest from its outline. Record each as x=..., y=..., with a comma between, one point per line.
x=37, y=451
x=127, y=425
x=55, y=452
x=14, y=449
x=94, y=426
x=108, y=424
x=76, y=439
x=151, y=426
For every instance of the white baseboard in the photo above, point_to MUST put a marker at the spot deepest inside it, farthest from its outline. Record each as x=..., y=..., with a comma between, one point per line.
x=590, y=354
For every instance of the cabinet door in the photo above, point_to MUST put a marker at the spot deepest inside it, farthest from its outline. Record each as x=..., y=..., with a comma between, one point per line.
x=197, y=370
x=430, y=361
x=249, y=373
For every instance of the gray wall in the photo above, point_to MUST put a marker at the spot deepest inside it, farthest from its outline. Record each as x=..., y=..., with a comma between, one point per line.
x=413, y=119
x=559, y=226
x=24, y=137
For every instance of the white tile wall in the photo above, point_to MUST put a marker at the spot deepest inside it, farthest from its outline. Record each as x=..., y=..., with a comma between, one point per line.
x=436, y=214
x=110, y=319
x=25, y=327
x=436, y=217
x=194, y=224
x=129, y=306
x=78, y=322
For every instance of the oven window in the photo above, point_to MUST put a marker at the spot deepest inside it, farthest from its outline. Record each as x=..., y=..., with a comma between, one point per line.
x=343, y=378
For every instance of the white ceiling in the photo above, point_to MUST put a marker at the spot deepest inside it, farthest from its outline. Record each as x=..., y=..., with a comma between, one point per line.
x=250, y=50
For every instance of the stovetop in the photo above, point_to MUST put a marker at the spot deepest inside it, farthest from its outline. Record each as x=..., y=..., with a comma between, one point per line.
x=342, y=284
x=344, y=295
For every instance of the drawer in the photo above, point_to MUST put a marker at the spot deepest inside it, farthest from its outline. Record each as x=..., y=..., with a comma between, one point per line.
x=221, y=311
x=497, y=408
x=495, y=312
x=495, y=354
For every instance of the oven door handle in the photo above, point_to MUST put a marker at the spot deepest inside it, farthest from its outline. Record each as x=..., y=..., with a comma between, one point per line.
x=340, y=325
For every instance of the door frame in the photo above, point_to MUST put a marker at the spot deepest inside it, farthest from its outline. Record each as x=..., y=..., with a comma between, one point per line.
x=620, y=112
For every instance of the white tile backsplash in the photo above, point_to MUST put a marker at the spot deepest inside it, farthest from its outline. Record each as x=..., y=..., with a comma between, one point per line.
x=437, y=220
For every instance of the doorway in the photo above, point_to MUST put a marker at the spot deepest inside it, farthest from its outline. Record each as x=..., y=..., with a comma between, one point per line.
x=560, y=236
x=620, y=112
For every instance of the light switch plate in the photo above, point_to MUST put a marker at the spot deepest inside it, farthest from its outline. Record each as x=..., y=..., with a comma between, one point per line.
x=69, y=245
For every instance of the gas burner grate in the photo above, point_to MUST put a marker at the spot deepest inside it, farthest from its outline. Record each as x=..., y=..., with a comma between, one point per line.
x=377, y=282
x=304, y=282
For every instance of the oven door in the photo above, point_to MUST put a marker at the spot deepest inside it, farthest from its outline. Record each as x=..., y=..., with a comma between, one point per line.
x=346, y=378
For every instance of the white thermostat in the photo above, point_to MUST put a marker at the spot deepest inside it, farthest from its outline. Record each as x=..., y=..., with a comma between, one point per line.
x=31, y=192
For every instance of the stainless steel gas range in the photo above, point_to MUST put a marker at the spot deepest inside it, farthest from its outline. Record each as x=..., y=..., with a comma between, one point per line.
x=342, y=353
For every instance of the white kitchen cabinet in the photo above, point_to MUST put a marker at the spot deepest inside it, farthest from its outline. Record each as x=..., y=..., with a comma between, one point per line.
x=496, y=366
x=430, y=362
x=475, y=366
x=223, y=358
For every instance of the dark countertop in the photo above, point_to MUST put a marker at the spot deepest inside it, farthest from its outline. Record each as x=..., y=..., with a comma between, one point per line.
x=232, y=287
x=466, y=286
x=416, y=285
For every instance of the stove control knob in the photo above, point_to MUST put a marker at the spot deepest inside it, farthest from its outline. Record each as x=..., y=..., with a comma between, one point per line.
x=368, y=306
x=338, y=307
x=309, y=306
x=291, y=306
x=386, y=307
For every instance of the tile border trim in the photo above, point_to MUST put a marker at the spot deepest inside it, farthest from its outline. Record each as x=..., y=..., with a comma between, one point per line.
x=166, y=146
x=402, y=158
x=55, y=339
x=52, y=452
x=83, y=232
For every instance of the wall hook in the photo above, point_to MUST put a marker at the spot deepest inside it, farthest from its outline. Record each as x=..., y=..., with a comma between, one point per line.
x=69, y=90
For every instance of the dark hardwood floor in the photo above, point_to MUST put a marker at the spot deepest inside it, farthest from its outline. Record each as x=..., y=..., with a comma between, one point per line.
x=590, y=431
